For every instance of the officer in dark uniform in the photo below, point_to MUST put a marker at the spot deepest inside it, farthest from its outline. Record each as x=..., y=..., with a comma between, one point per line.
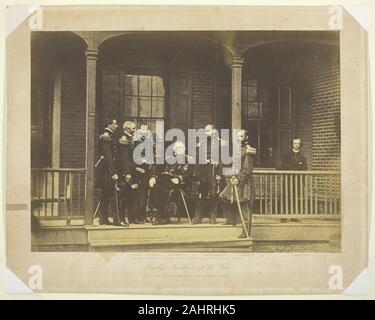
x=142, y=172
x=128, y=182
x=210, y=179
x=170, y=183
x=294, y=159
x=107, y=175
x=244, y=183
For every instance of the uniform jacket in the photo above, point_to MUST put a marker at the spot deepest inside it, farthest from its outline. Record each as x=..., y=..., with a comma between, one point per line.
x=294, y=161
x=205, y=175
x=108, y=165
x=126, y=166
x=245, y=187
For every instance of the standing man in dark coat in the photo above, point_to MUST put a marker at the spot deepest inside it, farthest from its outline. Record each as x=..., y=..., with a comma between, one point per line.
x=295, y=160
x=210, y=179
x=128, y=182
x=142, y=171
x=107, y=175
x=244, y=183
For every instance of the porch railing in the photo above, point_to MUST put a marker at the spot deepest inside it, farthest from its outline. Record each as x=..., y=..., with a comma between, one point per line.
x=297, y=193
x=58, y=194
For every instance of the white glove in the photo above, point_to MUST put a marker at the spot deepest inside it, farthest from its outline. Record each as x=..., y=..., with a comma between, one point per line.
x=175, y=180
x=141, y=170
x=250, y=150
x=115, y=177
x=128, y=178
x=152, y=182
x=234, y=181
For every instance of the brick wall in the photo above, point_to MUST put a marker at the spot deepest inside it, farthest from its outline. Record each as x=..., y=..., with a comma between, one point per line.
x=325, y=105
x=73, y=119
x=303, y=117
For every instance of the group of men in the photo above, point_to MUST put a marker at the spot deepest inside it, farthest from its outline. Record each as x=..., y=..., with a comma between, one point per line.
x=134, y=184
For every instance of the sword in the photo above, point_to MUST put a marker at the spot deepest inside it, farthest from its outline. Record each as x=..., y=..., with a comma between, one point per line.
x=116, y=201
x=240, y=211
x=186, y=208
x=96, y=210
x=98, y=162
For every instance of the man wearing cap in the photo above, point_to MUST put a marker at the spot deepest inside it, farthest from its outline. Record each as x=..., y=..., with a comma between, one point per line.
x=106, y=168
x=128, y=183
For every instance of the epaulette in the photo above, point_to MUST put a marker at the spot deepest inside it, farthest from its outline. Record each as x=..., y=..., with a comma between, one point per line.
x=105, y=136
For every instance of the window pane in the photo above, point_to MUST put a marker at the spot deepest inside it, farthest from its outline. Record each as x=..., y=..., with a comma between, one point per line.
x=131, y=106
x=244, y=93
x=145, y=85
x=252, y=110
x=158, y=87
x=131, y=85
x=252, y=129
x=285, y=108
x=144, y=107
x=158, y=107
x=266, y=144
x=252, y=91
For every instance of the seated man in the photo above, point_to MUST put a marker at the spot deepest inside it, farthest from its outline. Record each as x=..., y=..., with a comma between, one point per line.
x=169, y=183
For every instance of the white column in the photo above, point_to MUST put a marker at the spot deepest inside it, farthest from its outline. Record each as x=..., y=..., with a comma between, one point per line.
x=237, y=65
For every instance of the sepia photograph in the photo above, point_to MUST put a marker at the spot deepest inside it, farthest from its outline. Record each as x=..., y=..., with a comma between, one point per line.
x=186, y=150
x=97, y=96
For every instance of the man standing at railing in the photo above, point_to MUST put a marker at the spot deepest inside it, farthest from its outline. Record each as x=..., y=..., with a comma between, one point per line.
x=294, y=160
x=106, y=167
x=129, y=184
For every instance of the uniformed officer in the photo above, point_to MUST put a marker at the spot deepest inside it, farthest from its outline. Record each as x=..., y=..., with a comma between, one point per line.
x=244, y=183
x=141, y=174
x=128, y=182
x=107, y=175
x=210, y=179
x=170, y=183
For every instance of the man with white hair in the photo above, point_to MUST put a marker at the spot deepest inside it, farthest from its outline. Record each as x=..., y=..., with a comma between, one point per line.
x=128, y=184
x=170, y=183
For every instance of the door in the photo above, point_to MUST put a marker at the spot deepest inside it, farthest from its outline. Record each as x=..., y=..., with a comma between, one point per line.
x=180, y=106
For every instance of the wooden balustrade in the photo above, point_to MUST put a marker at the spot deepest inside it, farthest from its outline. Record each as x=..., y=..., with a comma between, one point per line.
x=297, y=193
x=58, y=194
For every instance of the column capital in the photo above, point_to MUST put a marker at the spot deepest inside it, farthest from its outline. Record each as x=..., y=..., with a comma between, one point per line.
x=237, y=62
x=91, y=54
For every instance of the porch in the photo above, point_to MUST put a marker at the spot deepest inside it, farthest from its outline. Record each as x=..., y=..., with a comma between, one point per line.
x=312, y=197
x=277, y=85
